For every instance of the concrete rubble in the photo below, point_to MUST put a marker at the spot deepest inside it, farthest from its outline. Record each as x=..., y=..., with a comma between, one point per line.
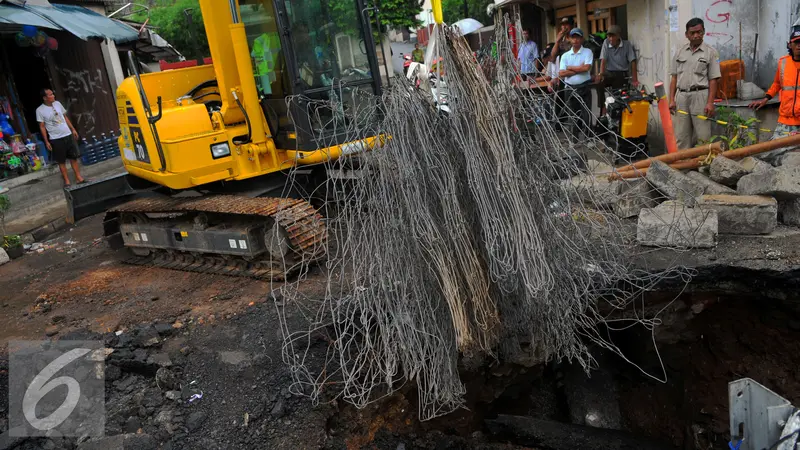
x=790, y=212
x=710, y=187
x=726, y=171
x=592, y=189
x=791, y=159
x=633, y=196
x=3, y=257
x=755, y=165
x=779, y=182
x=673, y=224
x=743, y=214
x=674, y=184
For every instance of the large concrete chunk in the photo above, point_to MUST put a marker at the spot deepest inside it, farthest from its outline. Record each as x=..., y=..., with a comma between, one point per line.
x=726, y=171
x=755, y=165
x=673, y=184
x=781, y=182
x=790, y=212
x=3, y=257
x=743, y=214
x=673, y=224
x=632, y=196
x=592, y=190
x=789, y=159
x=710, y=187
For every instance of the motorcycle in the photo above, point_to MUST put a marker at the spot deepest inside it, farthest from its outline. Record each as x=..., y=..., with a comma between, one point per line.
x=624, y=126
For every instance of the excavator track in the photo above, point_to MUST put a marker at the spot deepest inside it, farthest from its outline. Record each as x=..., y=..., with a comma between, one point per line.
x=303, y=226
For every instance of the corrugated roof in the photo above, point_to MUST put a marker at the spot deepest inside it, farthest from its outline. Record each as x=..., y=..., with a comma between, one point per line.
x=14, y=15
x=85, y=23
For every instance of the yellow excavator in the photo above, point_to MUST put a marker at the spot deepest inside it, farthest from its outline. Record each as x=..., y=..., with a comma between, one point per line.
x=207, y=148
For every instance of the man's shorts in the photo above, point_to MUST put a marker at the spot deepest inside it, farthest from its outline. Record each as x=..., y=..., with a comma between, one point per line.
x=65, y=148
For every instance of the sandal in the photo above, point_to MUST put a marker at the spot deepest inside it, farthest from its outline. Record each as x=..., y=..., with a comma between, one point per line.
x=82, y=181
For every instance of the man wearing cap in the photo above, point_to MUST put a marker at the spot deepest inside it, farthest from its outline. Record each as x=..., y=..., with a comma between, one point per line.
x=563, y=43
x=787, y=82
x=617, y=62
x=695, y=73
x=574, y=72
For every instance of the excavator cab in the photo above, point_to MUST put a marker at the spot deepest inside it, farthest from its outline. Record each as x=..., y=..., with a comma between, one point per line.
x=293, y=84
x=321, y=53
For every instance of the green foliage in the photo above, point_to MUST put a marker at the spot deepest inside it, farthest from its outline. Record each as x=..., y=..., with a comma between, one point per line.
x=11, y=241
x=454, y=10
x=169, y=21
x=739, y=132
x=399, y=14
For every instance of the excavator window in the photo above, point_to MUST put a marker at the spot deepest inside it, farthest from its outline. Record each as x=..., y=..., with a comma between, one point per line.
x=321, y=53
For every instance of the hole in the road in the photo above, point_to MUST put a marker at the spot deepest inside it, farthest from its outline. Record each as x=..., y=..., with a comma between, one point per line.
x=700, y=351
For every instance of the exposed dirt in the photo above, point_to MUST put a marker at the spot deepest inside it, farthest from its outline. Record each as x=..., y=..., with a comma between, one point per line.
x=80, y=283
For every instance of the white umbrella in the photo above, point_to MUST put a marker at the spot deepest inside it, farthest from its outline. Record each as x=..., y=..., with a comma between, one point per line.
x=468, y=26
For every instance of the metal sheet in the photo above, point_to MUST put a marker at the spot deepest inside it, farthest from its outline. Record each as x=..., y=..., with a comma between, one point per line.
x=759, y=412
x=85, y=23
x=14, y=15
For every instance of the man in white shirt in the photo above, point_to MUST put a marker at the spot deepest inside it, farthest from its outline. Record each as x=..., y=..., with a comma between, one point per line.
x=527, y=55
x=59, y=135
x=575, y=66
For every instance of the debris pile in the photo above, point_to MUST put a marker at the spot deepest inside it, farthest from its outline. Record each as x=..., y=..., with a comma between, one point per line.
x=465, y=244
x=678, y=206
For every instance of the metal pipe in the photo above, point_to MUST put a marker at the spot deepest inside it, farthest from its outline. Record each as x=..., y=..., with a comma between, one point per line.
x=234, y=11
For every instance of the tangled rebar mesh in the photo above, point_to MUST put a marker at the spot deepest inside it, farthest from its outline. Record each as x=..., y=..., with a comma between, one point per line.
x=461, y=239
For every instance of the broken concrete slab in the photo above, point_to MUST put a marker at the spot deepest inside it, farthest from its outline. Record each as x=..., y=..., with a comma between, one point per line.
x=632, y=196
x=710, y=187
x=755, y=165
x=674, y=184
x=594, y=190
x=743, y=214
x=726, y=171
x=780, y=182
x=4, y=258
x=790, y=212
x=674, y=224
x=788, y=159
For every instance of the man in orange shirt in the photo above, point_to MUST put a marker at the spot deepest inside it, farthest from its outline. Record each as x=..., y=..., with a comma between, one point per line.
x=787, y=82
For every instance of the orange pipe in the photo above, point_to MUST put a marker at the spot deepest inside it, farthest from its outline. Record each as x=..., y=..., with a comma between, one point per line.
x=666, y=118
x=638, y=173
x=702, y=150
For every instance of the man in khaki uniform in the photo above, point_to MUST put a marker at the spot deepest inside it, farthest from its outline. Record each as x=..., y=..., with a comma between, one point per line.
x=695, y=73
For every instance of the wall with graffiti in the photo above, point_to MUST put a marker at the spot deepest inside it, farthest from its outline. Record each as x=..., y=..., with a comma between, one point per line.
x=754, y=30
x=82, y=82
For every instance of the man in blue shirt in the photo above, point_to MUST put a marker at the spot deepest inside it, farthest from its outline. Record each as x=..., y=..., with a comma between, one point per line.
x=527, y=55
x=575, y=68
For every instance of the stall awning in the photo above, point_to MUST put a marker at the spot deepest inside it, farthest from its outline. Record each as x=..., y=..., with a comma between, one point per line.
x=85, y=23
x=82, y=22
x=13, y=15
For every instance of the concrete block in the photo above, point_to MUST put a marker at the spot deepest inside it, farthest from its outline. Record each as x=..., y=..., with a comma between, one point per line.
x=710, y=187
x=674, y=184
x=632, y=196
x=673, y=224
x=743, y=214
x=788, y=159
x=755, y=165
x=780, y=182
x=592, y=190
x=726, y=171
x=790, y=212
x=3, y=256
